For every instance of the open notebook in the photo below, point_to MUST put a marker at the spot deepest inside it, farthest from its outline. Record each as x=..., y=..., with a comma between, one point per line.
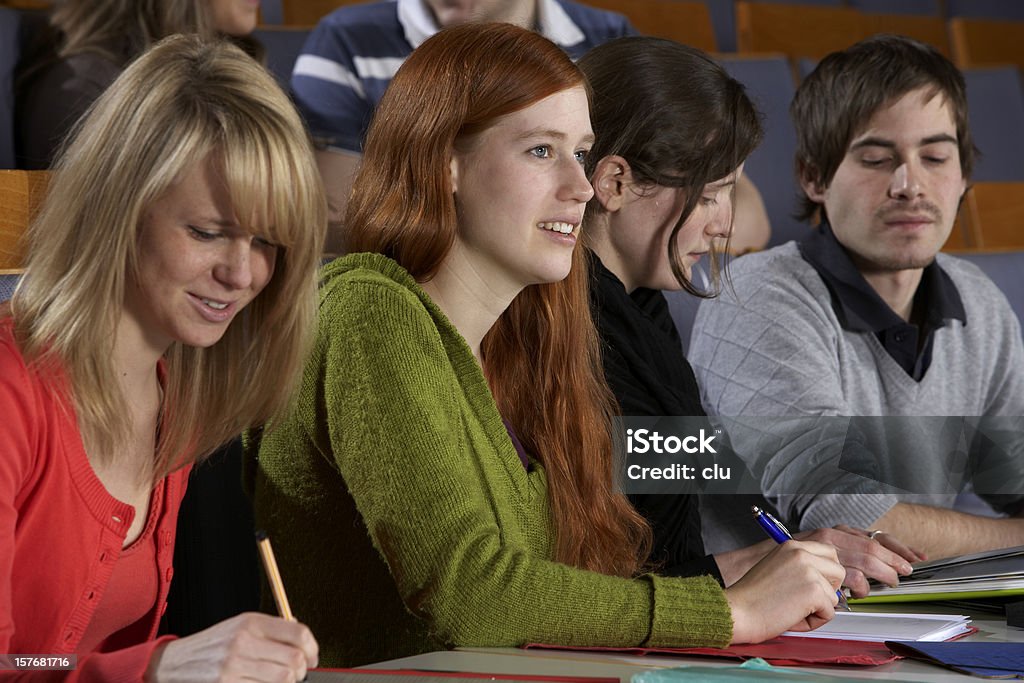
x=874, y=627
x=994, y=573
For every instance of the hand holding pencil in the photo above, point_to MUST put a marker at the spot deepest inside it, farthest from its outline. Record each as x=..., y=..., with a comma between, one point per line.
x=250, y=646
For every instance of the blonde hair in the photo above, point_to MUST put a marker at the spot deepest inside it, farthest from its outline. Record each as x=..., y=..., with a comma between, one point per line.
x=185, y=102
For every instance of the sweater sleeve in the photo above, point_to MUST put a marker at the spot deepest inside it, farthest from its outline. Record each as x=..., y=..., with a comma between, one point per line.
x=420, y=484
x=766, y=357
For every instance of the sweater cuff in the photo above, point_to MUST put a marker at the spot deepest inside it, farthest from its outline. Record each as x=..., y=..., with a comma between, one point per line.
x=854, y=509
x=690, y=612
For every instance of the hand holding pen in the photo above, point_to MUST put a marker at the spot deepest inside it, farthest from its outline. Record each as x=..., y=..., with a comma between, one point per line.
x=780, y=534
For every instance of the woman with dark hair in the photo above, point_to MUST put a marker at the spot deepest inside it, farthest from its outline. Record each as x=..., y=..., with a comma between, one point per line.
x=446, y=477
x=167, y=305
x=86, y=46
x=664, y=170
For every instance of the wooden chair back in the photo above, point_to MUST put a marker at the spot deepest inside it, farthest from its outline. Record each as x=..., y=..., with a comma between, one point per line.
x=309, y=12
x=987, y=42
x=685, y=22
x=994, y=215
x=931, y=30
x=797, y=31
x=21, y=194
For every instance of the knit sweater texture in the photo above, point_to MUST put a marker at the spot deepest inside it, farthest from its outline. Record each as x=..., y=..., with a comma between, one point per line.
x=402, y=517
x=772, y=346
x=61, y=532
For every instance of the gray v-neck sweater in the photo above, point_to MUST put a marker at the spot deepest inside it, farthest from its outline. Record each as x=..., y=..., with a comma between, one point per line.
x=773, y=347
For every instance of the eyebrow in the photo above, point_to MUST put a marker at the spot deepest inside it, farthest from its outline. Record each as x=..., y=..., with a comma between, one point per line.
x=889, y=144
x=549, y=132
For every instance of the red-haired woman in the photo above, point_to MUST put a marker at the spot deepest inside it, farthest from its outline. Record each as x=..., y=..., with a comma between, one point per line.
x=445, y=479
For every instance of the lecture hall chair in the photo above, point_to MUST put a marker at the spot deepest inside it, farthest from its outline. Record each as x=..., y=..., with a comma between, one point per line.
x=1004, y=268
x=927, y=29
x=797, y=31
x=21, y=194
x=299, y=12
x=994, y=214
x=986, y=9
x=987, y=42
x=770, y=84
x=930, y=8
x=685, y=22
x=10, y=51
x=283, y=45
x=995, y=101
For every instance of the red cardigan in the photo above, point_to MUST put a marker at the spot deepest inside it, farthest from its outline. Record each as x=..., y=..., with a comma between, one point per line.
x=60, y=531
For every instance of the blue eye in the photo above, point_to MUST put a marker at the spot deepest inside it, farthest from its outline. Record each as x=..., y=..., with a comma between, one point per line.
x=581, y=155
x=541, y=151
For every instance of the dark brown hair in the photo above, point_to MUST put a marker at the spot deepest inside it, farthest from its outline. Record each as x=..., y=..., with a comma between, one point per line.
x=841, y=95
x=541, y=357
x=674, y=115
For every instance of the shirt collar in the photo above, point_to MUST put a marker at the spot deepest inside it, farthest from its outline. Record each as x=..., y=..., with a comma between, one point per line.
x=857, y=304
x=554, y=24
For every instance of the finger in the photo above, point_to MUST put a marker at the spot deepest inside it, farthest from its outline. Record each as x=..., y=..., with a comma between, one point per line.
x=875, y=567
x=817, y=548
x=266, y=655
x=857, y=583
x=290, y=633
x=895, y=545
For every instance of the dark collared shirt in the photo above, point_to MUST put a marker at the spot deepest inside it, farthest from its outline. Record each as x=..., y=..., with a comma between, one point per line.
x=860, y=309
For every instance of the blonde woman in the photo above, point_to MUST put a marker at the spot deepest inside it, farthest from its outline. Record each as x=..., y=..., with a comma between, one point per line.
x=166, y=307
x=89, y=43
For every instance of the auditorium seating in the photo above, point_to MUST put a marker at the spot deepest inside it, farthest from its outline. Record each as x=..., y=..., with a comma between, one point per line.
x=283, y=45
x=987, y=42
x=21, y=193
x=770, y=84
x=995, y=100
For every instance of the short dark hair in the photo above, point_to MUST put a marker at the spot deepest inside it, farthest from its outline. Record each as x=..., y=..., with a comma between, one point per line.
x=674, y=114
x=848, y=87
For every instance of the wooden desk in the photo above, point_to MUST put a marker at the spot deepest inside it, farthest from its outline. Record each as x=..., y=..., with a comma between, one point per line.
x=554, y=663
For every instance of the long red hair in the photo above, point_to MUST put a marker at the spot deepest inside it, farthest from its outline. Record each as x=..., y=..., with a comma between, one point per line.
x=541, y=357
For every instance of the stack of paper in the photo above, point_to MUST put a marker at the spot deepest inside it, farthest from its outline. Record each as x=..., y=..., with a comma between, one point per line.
x=876, y=628
x=996, y=573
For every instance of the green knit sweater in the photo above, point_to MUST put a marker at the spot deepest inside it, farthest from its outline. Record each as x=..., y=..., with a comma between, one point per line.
x=401, y=515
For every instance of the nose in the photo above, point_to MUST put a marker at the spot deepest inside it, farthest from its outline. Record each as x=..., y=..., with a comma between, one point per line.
x=575, y=185
x=905, y=182
x=234, y=266
x=720, y=221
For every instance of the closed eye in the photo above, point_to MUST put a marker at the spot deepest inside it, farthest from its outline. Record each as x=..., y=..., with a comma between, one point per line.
x=202, y=235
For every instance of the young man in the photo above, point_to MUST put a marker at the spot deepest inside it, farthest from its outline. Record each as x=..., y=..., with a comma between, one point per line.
x=353, y=53
x=865, y=318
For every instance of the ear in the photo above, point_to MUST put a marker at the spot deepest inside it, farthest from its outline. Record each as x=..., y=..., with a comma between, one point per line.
x=610, y=179
x=814, y=189
x=453, y=169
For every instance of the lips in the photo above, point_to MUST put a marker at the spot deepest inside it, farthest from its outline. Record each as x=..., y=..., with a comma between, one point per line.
x=213, y=310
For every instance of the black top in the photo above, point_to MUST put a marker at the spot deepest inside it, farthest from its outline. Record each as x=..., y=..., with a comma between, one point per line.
x=647, y=372
x=859, y=308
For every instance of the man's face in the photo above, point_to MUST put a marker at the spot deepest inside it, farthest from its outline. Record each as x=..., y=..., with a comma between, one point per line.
x=452, y=12
x=894, y=197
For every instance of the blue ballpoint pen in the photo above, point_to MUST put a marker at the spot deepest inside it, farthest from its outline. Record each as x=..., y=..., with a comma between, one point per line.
x=780, y=534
